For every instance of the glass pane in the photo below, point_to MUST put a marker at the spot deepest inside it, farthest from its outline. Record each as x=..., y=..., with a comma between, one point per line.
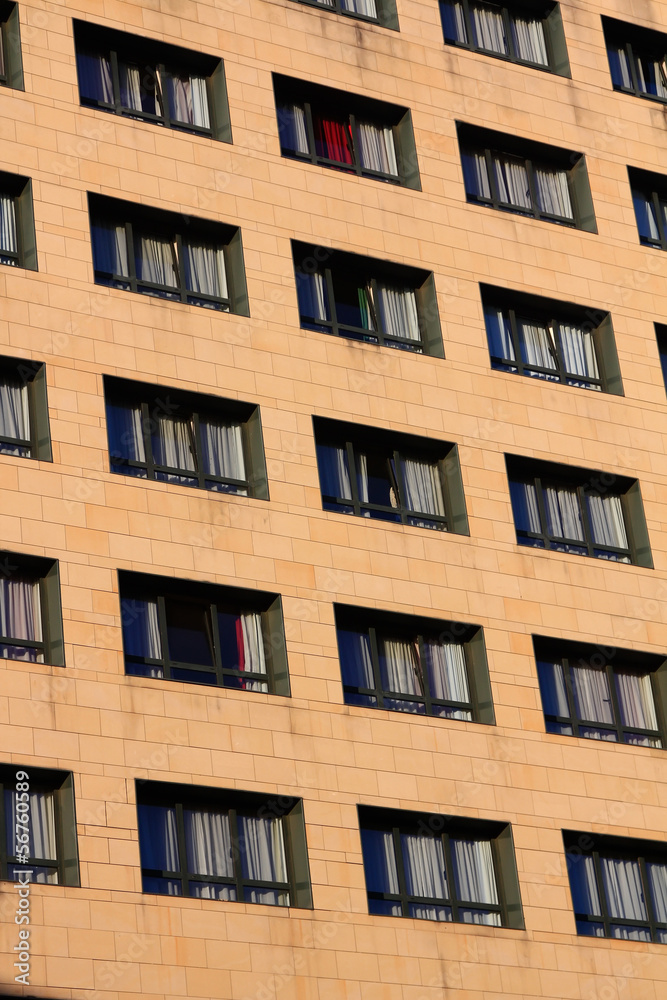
x=424, y=866
x=479, y=917
x=212, y=890
x=474, y=871
x=385, y=907
x=630, y=933
x=400, y=668
x=140, y=88
x=489, y=28
x=583, y=885
x=647, y=222
x=423, y=911
x=158, y=841
x=333, y=138
x=355, y=658
x=161, y=886
x=352, y=302
x=375, y=480
x=37, y=818
x=208, y=842
x=35, y=873
x=623, y=889
x=453, y=21
x=552, y=688
x=379, y=861
x=270, y=897
x=262, y=849
x=592, y=698
x=189, y=633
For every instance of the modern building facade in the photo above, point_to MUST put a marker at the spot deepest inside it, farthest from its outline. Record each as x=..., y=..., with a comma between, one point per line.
x=333, y=640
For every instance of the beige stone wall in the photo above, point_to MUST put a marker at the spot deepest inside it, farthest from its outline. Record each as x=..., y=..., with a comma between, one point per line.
x=108, y=940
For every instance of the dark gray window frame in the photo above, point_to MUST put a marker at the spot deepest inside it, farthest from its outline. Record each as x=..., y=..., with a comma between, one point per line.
x=20, y=189
x=10, y=37
x=652, y=187
x=46, y=573
x=387, y=15
x=637, y=42
x=33, y=374
x=155, y=399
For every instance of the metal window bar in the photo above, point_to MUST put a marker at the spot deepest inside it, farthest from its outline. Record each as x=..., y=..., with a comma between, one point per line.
x=4, y=47
x=554, y=541
x=152, y=468
x=218, y=671
x=381, y=694
x=401, y=513
x=235, y=881
x=166, y=119
x=452, y=901
x=622, y=731
x=608, y=922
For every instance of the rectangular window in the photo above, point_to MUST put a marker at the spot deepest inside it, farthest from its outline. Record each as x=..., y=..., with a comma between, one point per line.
x=171, y=256
x=618, y=886
x=530, y=33
x=364, y=299
x=579, y=511
x=407, y=664
x=649, y=196
x=30, y=614
x=24, y=415
x=17, y=226
x=661, y=337
x=439, y=868
x=637, y=59
x=525, y=177
x=389, y=476
x=378, y=11
x=203, y=634
x=150, y=81
x=215, y=844
x=188, y=439
x=601, y=693
x=38, y=829
x=345, y=131
x=557, y=341
x=11, y=65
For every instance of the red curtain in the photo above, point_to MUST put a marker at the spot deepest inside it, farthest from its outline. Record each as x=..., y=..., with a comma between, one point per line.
x=333, y=139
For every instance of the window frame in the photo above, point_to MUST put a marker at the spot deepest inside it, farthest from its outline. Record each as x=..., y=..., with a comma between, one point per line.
x=60, y=783
x=445, y=828
x=621, y=849
x=211, y=598
x=138, y=220
x=10, y=40
x=46, y=573
x=631, y=661
x=653, y=188
x=352, y=436
x=32, y=374
x=331, y=263
x=124, y=46
x=379, y=624
x=154, y=400
x=382, y=114
x=387, y=16
x=536, y=471
x=20, y=190
x=637, y=42
x=288, y=809
x=509, y=12
x=554, y=313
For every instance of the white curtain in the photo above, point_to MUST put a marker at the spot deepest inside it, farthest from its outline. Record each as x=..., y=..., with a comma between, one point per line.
x=578, y=348
x=529, y=40
x=537, y=342
x=400, y=669
x=499, y=331
x=7, y=224
x=647, y=222
x=188, y=99
x=263, y=857
x=141, y=632
x=526, y=509
x=20, y=617
x=157, y=261
x=41, y=830
x=583, y=884
x=447, y=674
x=475, y=878
x=476, y=175
x=423, y=489
x=158, y=841
x=489, y=29
x=208, y=846
x=14, y=411
x=635, y=698
x=172, y=443
x=657, y=879
x=606, y=513
x=512, y=181
x=563, y=514
x=334, y=471
x=455, y=22
x=365, y=7
x=222, y=450
x=362, y=481
x=651, y=76
x=623, y=889
x=380, y=866
x=398, y=312
x=126, y=439
x=376, y=148
x=313, y=297
x=110, y=248
x=424, y=865
x=356, y=661
x=619, y=59
x=553, y=194
x=293, y=132
x=592, y=697
x=130, y=86
x=254, y=659
x=205, y=269
x=553, y=690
